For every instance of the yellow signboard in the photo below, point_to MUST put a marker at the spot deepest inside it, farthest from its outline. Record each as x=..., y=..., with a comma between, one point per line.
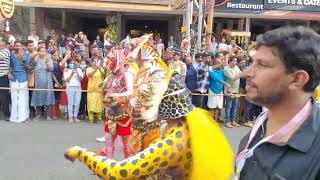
x=7, y=8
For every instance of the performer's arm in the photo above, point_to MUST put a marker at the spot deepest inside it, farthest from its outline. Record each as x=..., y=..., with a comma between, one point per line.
x=129, y=92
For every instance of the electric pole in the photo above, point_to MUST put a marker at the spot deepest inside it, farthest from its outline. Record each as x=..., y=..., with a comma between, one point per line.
x=209, y=25
x=200, y=24
x=188, y=18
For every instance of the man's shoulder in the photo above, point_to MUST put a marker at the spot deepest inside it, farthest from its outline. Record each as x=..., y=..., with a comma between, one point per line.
x=5, y=51
x=243, y=142
x=227, y=68
x=238, y=69
x=182, y=63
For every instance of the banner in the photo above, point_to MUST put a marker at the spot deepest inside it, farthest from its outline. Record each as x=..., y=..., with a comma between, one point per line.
x=293, y=5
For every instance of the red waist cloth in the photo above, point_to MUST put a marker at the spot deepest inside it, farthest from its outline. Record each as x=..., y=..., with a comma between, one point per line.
x=63, y=98
x=84, y=82
x=121, y=131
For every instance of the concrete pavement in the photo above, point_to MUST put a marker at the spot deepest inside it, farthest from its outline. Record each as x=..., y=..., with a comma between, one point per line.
x=34, y=150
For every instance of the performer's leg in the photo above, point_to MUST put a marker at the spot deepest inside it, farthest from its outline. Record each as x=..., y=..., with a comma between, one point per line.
x=110, y=145
x=125, y=146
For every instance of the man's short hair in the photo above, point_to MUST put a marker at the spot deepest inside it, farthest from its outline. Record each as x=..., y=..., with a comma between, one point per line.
x=198, y=55
x=231, y=58
x=17, y=41
x=41, y=42
x=94, y=46
x=298, y=48
x=206, y=55
x=176, y=52
x=29, y=42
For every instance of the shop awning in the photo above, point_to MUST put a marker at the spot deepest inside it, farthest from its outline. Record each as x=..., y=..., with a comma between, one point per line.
x=102, y=6
x=236, y=33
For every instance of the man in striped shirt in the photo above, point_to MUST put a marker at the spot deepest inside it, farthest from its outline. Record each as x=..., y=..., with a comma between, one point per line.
x=4, y=81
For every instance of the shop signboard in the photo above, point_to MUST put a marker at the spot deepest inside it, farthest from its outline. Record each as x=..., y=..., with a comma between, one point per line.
x=252, y=6
x=7, y=8
x=239, y=5
x=293, y=5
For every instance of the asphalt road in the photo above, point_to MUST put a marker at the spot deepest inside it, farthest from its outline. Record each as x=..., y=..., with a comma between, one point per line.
x=34, y=150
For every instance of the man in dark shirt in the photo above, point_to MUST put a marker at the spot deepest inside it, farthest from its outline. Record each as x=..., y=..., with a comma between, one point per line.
x=4, y=81
x=284, y=143
x=191, y=77
x=95, y=54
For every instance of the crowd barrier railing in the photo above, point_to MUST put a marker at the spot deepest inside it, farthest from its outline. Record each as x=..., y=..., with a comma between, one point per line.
x=65, y=90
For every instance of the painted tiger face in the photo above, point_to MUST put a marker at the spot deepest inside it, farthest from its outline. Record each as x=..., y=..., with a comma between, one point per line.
x=151, y=89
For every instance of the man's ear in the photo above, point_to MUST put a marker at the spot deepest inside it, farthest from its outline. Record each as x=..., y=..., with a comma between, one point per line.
x=299, y=79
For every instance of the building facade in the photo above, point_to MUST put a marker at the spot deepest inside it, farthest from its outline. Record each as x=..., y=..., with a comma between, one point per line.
x=71, y=16
x=258, y=16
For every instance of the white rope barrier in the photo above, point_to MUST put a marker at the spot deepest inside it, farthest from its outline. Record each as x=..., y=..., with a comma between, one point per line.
x=65, y=90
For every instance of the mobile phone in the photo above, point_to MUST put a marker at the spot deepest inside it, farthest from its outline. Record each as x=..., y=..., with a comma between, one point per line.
x=73, y=66
x=98, y=64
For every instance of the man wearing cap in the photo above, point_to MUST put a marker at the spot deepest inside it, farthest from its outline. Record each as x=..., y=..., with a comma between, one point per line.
x=4, y=82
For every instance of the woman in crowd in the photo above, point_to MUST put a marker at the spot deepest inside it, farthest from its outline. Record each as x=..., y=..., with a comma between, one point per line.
x=160, y=48
x=80, y=42
x=73, y=76
x=51, y=46
x=63, y=101
x=43, y=80
x=95, y=75
x=84, y=86
x=57, y=78
x=106, y=39
x=62, y=45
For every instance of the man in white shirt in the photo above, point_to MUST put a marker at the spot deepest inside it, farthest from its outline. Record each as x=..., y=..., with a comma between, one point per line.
x=34, y=38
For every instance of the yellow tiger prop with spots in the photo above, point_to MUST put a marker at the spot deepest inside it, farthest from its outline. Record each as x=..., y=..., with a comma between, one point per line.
x=172, y=152
x=316, y=94
x=193, y=147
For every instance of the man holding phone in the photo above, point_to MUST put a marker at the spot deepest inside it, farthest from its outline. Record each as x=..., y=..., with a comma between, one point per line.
x=20, y=63
x=95, y=55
